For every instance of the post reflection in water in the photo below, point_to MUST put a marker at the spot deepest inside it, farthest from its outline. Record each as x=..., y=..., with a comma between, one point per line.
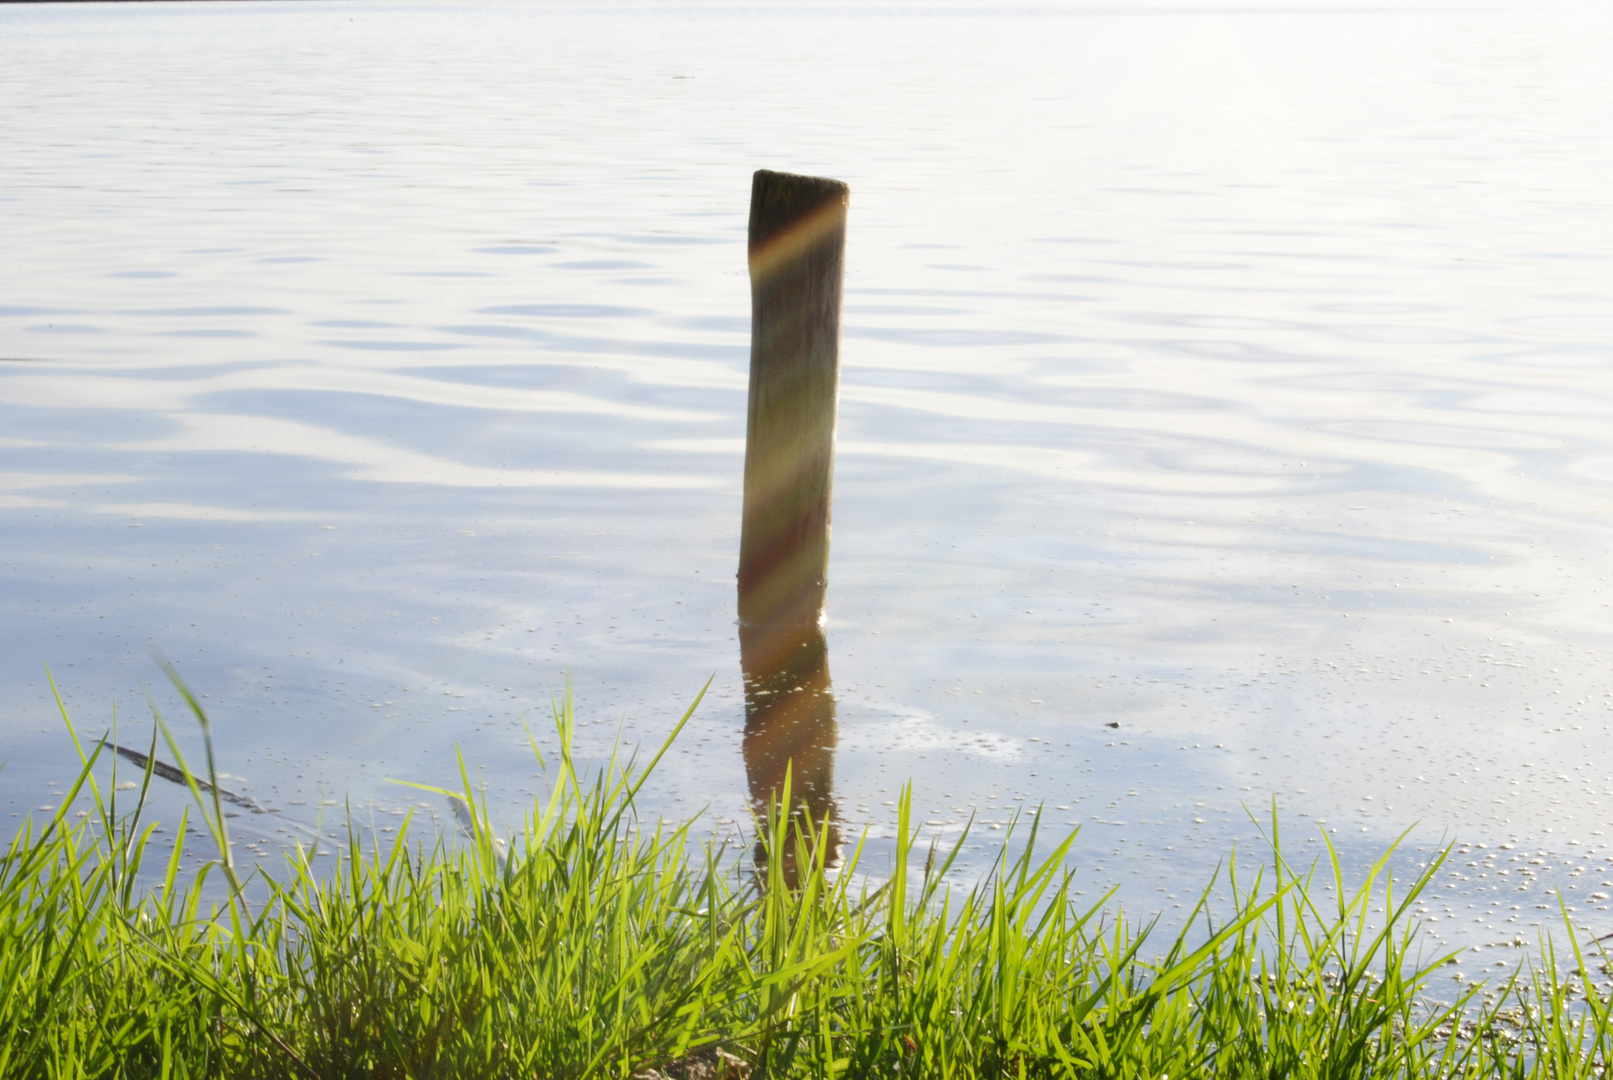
x=790, y=729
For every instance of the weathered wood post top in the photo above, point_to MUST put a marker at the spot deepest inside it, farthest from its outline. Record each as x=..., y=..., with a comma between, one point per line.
x=797, y=265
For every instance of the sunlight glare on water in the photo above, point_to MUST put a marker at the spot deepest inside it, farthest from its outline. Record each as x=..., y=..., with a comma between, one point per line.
x=1239, y=376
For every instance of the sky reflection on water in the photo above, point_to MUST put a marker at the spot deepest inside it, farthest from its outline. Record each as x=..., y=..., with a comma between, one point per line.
x=1238, y=378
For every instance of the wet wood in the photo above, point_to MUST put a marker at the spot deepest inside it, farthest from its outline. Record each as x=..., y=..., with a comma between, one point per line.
x=797, y=263
x=797, y=260
x=184, y=779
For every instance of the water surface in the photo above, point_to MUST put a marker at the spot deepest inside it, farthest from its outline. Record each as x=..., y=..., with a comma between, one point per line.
x=1238, y=376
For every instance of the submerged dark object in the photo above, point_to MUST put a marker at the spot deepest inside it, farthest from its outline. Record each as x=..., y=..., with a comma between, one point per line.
x=179, y=776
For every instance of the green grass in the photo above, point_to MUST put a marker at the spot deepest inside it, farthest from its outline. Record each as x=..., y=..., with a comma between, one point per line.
x=592, y=946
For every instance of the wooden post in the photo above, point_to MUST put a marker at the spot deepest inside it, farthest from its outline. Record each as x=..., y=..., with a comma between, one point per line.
x=797, y=263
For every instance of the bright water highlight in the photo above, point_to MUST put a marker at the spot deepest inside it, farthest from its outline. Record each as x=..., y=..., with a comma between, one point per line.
x=1237, y=375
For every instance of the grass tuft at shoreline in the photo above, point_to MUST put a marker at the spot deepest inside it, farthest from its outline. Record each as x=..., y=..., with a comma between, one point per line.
x=594, y=944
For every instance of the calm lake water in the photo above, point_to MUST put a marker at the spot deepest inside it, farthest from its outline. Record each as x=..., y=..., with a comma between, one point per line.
x=1236, y=375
